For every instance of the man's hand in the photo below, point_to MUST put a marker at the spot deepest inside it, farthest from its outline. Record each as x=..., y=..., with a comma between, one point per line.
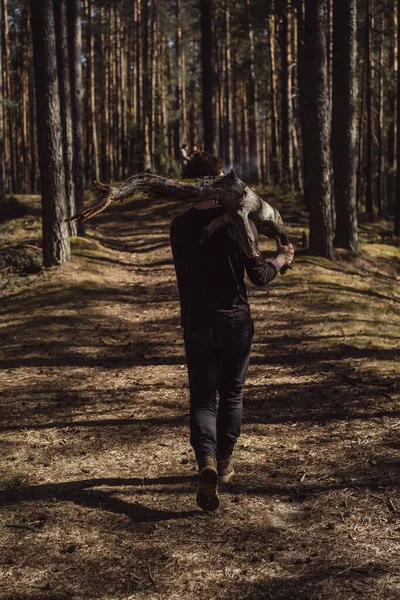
x=284, y=256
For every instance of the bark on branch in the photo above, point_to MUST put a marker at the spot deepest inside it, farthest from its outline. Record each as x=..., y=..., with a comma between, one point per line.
x=238, y=200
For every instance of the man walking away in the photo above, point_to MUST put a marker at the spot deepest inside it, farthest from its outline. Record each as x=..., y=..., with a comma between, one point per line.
x=218, y=332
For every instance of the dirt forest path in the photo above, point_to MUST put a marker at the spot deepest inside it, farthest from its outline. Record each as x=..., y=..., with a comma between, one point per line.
x=98, y=478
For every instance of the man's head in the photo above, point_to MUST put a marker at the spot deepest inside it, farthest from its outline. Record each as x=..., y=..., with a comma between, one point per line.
x=184, y=146
x=204, y=164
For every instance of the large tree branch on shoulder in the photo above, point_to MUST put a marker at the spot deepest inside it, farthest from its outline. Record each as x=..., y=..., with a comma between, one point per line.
x=240, y=203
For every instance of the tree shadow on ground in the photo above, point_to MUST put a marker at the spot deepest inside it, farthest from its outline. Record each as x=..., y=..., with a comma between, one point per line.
x=85, y=493
x=311, y=585
x=137, y=226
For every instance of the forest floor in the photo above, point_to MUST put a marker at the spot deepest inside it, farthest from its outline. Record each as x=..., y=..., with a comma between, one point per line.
x=98, y=479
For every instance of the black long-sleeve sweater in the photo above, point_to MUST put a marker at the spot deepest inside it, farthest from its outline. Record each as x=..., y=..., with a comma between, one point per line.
x=211, y=274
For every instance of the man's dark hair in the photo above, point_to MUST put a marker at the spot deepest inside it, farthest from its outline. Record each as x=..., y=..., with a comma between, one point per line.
x=203, y=164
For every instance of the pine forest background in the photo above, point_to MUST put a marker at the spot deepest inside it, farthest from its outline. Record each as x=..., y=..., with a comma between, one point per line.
x=137, y=78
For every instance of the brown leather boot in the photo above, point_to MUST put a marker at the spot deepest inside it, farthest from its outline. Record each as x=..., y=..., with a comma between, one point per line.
x=207, y=493
x=225, y=470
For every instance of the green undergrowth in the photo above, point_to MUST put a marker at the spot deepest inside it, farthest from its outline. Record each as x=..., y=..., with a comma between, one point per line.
x=87, y=247
x=386, y=251
x=20, y=241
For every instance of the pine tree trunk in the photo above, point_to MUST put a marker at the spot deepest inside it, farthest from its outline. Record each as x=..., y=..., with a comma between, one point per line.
x=286, y=97
x=397, y=205
x=344, y=121
x=380, y=99
x=56, y=247
x=63, y=72
x=329, y=46
x=235, y=105
x=300, y=74
x=276, y=166
x=298, y=181
x=24, y=156
x=146, y=30
x=297, y=150
x=33, y=175
x=139, y=80
x=181, y=109
x=92, y=162
x=10, y=87
x=216, y=87
x=75, y=71
x=164, y=101
x=105, y=101
x=245, y=134
x=125, y=94
x=193, y=128
x=391, y=26
x=360, y=138
x=112, y=94
x=369, y=92
x=207, y=73
x=220, y=96
x=10, y=75
x=6, y=95
x=228, y=89
x=118, y=94
x=154, y=74
x=252, y=95
x=131, y=88
x=171, y=123
x=2, y=166
x=317, y=156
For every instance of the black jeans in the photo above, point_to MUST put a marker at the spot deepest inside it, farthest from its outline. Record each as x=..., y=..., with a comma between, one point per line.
x=217, y=360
